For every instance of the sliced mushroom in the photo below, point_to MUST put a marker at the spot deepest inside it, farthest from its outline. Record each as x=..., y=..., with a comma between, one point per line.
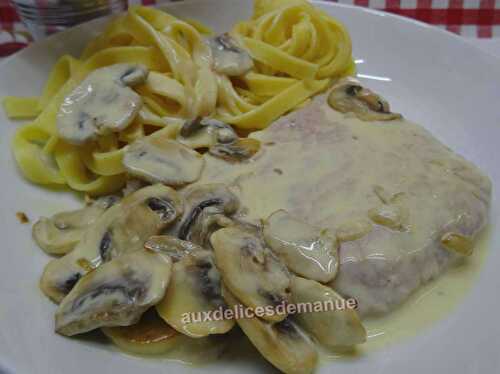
x=150, y=336
x=348, y=96
x=60, y=233
x=205, y=132
x=172, y=246
x=237, y=151
x=281, y=343
x=228, y=57
x=219, y=137
x=325, y=315
x=457, y=243
x=102, y=103
x=115, y=294
x=201, y=202
x=195, y=290
x=123, y=228
x=207, y=223
x=161, y=160
x=306, y=250
x=250, y=270
x=194, y=287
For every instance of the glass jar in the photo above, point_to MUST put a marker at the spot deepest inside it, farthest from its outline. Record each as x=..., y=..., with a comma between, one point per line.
x=44, y=17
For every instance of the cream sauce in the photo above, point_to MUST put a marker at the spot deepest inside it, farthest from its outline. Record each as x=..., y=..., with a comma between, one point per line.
x=426, y=307
x=429, y=305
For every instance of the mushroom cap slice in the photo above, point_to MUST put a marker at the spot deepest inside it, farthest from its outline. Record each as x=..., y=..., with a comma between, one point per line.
x=281, y=343
x=306, y=250
x=153, y=336
x=220, y=139
x=60, y=233
x=202, y=201
x=205, y=132
x=150, y=336
x=250, y=270
x=206, y=224
x=194, y=289
x=348, y=96
x=228, y=57
x=101, y=104
x=115, y=294
x=237, y=151
x=162, y=160
x=123, y=228
x=335, y=329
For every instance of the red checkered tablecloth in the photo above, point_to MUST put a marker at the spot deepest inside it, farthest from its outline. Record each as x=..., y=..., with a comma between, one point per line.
x=470, y=18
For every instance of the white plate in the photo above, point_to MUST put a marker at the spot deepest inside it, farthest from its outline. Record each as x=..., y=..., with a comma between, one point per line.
x=431, y=76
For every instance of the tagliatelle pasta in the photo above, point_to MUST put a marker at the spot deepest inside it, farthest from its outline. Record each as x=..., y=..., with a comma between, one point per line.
x=297, y=51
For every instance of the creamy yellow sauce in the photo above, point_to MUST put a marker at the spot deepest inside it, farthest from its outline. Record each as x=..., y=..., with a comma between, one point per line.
x=430, y=304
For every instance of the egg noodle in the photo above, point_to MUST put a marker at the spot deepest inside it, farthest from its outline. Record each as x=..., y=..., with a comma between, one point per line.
x=297, y=51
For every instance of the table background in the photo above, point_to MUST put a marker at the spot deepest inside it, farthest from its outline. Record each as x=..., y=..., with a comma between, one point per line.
x=477, y=19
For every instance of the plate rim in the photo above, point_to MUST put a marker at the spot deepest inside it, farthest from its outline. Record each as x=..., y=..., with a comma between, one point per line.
x=174, y=5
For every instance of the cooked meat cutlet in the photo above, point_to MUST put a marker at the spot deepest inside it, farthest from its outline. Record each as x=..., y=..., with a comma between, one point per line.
x=391, y=186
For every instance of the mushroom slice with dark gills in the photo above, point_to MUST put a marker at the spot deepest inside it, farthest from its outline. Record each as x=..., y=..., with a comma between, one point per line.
x=228, y=57
x=194, y=287
x=336, y=326
x=60, y=233
x=194, y=290
x=306, y=250
x=115, y=294
x=205, y=132
x=123, y=228
x=219, y=137
x=348, y=96
x=162, y=160
x=250, y=270
x=102, y=103
x=281, y=343
x=203, y=201
x=237, y=151
x=207, y=223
